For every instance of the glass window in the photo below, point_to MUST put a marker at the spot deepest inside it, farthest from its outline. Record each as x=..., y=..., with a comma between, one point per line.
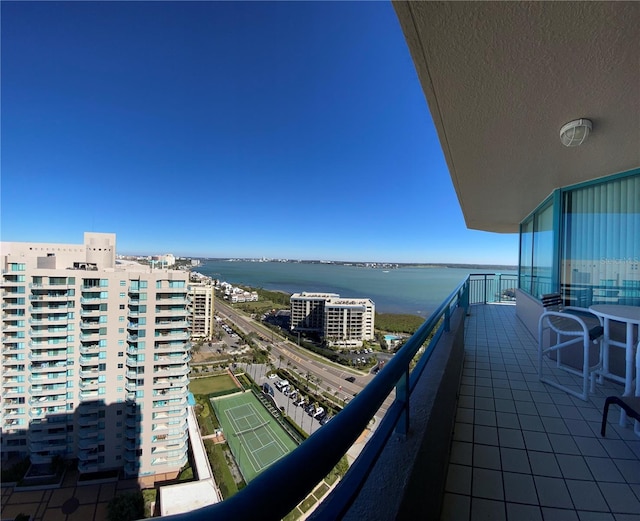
x=601, y=247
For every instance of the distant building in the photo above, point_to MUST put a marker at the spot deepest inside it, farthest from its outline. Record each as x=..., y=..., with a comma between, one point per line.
x=165, y=261
x=201, y=296
x=95, y=359
x=343, y=322
x=307, y=311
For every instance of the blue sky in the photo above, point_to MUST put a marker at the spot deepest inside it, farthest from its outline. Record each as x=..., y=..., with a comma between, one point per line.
x=286, y=129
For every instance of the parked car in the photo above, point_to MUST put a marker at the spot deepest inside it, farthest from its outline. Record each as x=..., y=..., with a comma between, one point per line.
x=318, y=411
x=325, y=419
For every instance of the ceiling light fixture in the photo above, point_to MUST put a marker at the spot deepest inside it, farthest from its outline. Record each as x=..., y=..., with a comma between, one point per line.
x=574, y=133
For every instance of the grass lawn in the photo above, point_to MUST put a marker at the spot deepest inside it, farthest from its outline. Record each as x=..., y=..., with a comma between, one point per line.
x=212, y=384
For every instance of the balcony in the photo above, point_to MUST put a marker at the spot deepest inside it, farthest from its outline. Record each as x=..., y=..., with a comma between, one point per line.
x=171, y=335
x=171, y=370
x=172, y=324
x=88, y=311
x=482, y=438
x=171, y=311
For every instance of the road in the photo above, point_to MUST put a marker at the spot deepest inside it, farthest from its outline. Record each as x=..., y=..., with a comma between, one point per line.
x=331, y=375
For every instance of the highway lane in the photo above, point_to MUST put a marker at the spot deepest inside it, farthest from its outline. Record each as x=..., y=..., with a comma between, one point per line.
x=331, y=375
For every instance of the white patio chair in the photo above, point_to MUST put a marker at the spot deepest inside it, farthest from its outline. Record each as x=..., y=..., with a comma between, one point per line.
x=566, y=327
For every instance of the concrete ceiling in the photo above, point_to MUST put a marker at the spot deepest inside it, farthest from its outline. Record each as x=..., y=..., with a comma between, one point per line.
x=502, y=78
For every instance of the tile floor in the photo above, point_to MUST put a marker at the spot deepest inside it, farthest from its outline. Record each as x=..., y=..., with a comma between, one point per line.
x=523, y=450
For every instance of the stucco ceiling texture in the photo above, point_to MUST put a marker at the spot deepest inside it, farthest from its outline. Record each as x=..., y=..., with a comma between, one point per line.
x=502, y=78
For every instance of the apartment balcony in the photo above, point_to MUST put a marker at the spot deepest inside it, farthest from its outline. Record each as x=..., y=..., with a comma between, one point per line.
x=89, y=373
x=134, y=362
x=133, y=432
x=172, y=311
x=89, y=336
x=43, y=353
x=169, y=403
x=86, y=420
x=49, y=297
x=172, y=370
x=88, y=457
x=89, y=361
x=88, y=311
x=88, y=443
x=43, y=333
x=177, y=358
x=88, y=395
x=480, y=438
x=88, y=385
x=16, y=411
x=49, y=319
x=89, y=349
x=49, y=400
x=49, y=367
x=10, y=283
x=171, y=324
x=47, y=390
x=88, y=466
x=170, y=347
x=170, y=414
x=179, y=437
x=167, y=383
x=171, y=335
x=174, y=462
x=86, y=433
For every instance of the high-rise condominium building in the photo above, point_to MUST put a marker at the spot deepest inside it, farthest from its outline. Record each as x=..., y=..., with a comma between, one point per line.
x=341, y=321
x=95, y=358
x=201, y=298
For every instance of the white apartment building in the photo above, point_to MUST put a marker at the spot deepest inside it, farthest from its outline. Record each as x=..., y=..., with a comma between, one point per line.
x=201, y=297
x=347, y=322
x=95, y=358
x=344, y=322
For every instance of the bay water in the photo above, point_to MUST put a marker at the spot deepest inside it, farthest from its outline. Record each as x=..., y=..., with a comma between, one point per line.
x=413, y=290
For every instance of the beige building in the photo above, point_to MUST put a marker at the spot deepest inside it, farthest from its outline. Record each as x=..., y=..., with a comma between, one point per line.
x=201, y=307
x=344, y=322
x=95, y=358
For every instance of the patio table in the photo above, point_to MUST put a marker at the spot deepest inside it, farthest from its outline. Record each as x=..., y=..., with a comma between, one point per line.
x=630, y=316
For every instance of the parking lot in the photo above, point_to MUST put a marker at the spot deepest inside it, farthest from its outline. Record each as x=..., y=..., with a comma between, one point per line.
x=307, y=423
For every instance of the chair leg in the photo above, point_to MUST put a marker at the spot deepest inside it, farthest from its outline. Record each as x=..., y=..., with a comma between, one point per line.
x=605, y=413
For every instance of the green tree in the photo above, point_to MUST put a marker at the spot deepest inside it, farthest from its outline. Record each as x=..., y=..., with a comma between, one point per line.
x=126, y=507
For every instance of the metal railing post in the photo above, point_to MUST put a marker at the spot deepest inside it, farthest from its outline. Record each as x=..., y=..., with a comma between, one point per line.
x=447, y=319
x=402, y=395
x=485, y=289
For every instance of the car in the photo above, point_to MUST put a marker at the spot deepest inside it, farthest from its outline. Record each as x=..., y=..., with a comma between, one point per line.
x=300, y=402
x=318, y=412
x=325, y=419
x=351, y=379
x=272, y=376
x=320, y=416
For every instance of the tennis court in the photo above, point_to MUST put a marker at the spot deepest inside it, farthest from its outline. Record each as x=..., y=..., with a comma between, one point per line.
x=254, y=436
